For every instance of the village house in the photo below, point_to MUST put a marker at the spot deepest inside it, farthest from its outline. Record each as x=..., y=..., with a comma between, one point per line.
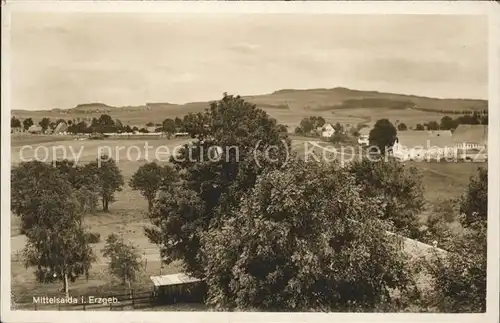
x=34, y=129
x=364, y=135
x=326, y=131
x=419, y=145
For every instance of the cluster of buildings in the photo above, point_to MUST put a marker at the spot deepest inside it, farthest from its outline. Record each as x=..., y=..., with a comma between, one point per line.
x=469, y=141
x=465, y=141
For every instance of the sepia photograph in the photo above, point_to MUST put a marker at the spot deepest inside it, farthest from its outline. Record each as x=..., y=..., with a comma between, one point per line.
x=250, y=158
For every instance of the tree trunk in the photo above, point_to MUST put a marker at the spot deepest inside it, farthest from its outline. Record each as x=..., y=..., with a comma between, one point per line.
x=150, y=205
x=130, y=289
x=66, y=285
x=104, y=204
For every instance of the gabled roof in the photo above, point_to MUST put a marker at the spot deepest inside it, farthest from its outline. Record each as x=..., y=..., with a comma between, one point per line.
x=61, y=126
x=35, y=128
x=422, y=139
x=471, y=133
x=327, y=126
x=174, y=279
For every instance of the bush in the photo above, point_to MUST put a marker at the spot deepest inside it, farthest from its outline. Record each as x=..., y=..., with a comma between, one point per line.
x=94, y=237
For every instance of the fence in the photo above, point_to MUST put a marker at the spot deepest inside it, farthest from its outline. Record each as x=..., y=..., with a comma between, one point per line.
x=122, y=302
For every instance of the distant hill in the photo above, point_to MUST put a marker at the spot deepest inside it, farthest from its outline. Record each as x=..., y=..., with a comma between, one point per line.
x=286, y=101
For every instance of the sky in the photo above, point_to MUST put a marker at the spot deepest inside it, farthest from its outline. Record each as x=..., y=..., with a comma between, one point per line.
x=59, y=60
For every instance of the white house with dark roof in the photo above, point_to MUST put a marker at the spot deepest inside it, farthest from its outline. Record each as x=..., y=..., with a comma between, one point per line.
x=326, y=131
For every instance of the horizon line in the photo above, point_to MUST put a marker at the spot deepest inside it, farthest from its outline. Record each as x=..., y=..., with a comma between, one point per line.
x=261, y=94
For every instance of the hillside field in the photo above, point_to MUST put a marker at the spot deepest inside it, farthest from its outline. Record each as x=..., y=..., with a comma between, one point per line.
x=289, y=107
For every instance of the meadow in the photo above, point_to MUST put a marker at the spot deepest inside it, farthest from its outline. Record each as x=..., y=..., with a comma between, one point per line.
x=127, y=216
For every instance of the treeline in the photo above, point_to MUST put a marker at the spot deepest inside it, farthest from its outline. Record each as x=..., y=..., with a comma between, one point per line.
x=448, y=123
x=309, y=125
x=267, y=230
x=105, y=124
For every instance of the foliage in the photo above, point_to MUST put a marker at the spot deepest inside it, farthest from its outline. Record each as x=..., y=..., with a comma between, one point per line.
x=177, y=220
x=402, y=127
x=398, y=185
x=432, y=125
x=438, y=224
x=125, y=259
x=310, y=124
x=94, y=237
x=169, y=126
x=108, y=176
x=27, y=123
x=383, y=135
x=150, y=177
x=460, y=276
x=247, y=142
x=303, y=240
x=51, y=218
x=15, y=123
x=44, y=123
x=474, y=203
x=447, y=123
x=419, y=127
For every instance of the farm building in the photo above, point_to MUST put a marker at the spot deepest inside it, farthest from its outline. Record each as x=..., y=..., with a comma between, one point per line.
x=326, y=131
x=468, y=136
x=61, y=127
x=34, y=129
x=364, y=134
x=177, y=288
x=423, y=145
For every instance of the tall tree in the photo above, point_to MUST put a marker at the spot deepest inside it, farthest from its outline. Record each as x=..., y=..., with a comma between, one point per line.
x=150, y=177
x=307, y=125
x=27, y=123
x=44, y=123
x=124, y=259
x=168, y=126
x=247, y=141
x=15, y=123
x=447, y=123
x=383, y=135
x=402, y=127
x=303, y=240
x=109, y=178
x=51, y=218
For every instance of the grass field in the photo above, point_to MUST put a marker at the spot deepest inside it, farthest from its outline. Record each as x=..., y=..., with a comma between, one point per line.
x=127, y=215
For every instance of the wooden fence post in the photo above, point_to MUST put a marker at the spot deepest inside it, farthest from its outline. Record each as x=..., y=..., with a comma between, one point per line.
x=58, y=306
x=84, y=306
x=36, y=306
x=133, y=301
